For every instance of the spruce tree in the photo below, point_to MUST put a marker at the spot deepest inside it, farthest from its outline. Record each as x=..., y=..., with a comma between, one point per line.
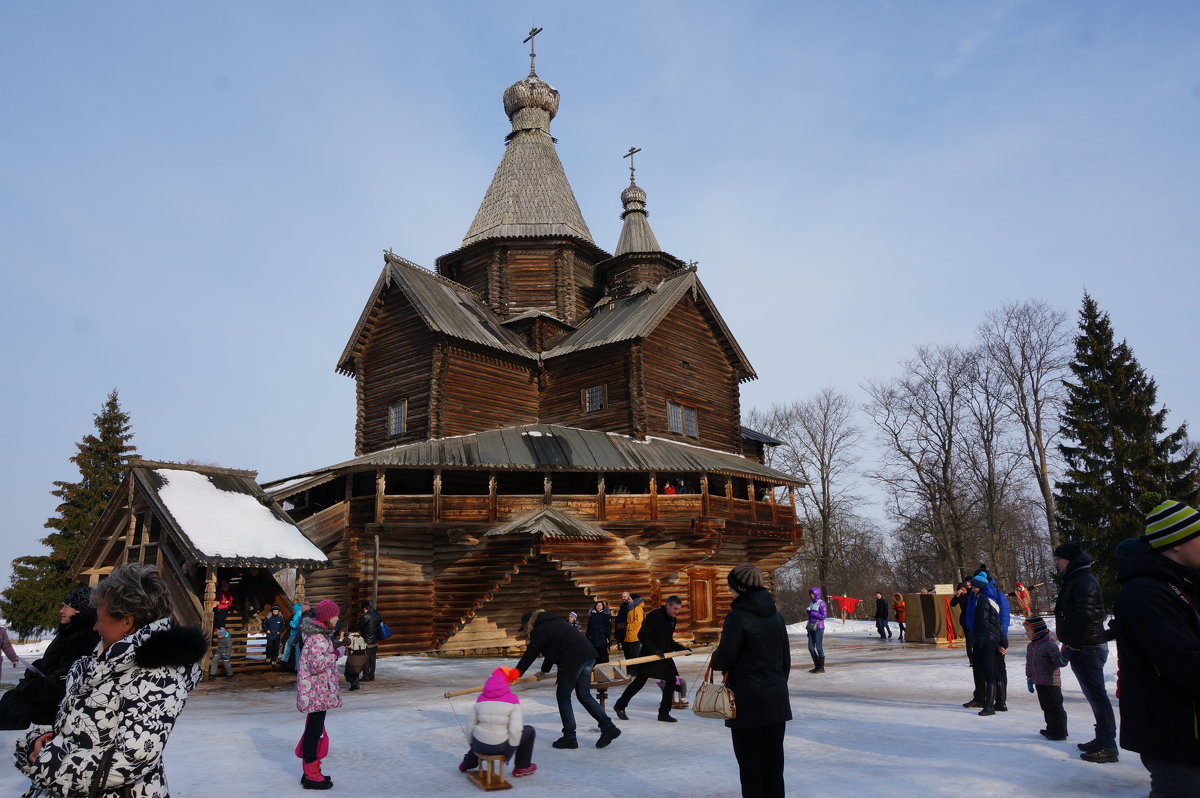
x=1116, y=446
x=40, y=581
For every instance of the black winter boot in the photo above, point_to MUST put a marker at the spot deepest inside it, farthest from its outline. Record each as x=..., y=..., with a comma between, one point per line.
x=820, y=664
x=816, y=668
x=566, y=741
x=989, y=700
x=1001, y=697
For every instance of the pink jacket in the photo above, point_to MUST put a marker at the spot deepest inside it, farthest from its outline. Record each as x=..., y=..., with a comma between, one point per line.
x=317, y=687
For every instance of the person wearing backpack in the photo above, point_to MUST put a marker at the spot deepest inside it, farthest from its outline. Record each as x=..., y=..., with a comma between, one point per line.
x=368, y=627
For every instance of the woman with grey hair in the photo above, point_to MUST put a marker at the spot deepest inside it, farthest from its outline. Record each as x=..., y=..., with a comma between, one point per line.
x=121, y=701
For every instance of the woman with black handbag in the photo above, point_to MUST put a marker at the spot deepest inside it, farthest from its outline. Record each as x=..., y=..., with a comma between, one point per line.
x=755, y=656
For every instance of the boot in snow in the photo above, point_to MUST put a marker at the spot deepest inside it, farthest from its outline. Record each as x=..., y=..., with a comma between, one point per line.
x=820, y=665
x=608, y=734
x=568, y=741
x=989, y=701
x=313, y=779
x=1001, y=697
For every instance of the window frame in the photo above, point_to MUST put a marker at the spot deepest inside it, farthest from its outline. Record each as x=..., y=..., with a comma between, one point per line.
x=584, y=396
x=391, y=418
x=688, y=418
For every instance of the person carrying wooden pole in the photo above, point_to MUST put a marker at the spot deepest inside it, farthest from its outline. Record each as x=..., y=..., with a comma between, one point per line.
x=561, y=645
x=657, y=636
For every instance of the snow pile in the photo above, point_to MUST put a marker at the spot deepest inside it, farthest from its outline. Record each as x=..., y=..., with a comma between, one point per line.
x=222, y=523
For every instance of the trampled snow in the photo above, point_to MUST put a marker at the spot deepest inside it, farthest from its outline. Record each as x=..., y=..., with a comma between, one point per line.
x=884, y=721
x=223, y=523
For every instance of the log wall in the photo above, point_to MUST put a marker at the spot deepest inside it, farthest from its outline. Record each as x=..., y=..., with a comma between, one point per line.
x=481, y=392
x=707, y=382
x=568, y=376
x=397, y=365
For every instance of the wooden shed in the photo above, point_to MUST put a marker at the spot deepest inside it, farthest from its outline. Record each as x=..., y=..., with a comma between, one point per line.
x=201, y=525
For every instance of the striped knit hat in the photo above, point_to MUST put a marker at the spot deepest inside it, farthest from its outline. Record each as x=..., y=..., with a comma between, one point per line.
x=1038, y=624
x=1170, y=522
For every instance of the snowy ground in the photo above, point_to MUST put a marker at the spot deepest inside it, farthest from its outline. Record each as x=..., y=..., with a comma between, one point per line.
x=884, y=720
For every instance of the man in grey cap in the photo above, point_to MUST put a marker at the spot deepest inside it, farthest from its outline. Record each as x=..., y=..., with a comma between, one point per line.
x=1079, y=622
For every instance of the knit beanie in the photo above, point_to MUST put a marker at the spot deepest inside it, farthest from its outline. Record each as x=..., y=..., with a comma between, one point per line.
x=79, y=599
x=1038, y=624
x=1068, y=551
x=980, y=580
x=1169, y=522
x=327, y=609
x=744, y=578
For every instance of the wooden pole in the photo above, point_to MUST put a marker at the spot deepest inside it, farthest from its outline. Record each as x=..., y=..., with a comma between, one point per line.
x=633, y=661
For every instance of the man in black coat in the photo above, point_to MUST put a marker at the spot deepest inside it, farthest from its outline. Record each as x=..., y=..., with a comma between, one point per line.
x=36, y=697
x=881, y=617
x=554, y=639
x=368, y=627
x=657, y=638
x=1158, y=643
x=1079, y=615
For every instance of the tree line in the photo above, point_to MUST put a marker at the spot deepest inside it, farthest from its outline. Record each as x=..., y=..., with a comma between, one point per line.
x=994, y=452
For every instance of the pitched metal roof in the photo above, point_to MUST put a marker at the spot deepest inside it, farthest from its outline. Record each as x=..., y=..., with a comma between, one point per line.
x=444, y=305
x=636, y=316
x=550, y=447
x=761, y=437
x=551, y=523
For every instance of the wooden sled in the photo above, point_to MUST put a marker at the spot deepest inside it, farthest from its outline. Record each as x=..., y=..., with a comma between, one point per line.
x=605, y=676
x=489, y=775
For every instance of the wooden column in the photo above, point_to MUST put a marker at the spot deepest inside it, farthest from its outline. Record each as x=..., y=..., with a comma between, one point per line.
x=299, y=597
x=380, y=488
x=437, y=495
x=654, y=497
x=491, y=496
x=752, y=492
x=704, y=507
x=375, y=580
x=600, y=498
x=547, y=496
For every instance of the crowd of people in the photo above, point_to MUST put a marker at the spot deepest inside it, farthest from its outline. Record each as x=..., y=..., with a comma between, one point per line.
x=102, y=700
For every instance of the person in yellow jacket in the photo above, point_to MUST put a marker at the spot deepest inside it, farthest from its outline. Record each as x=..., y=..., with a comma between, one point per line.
x=630, y=645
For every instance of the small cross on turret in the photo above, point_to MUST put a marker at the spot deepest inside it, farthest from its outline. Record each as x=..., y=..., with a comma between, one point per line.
x=629, y=155
x=532, y=55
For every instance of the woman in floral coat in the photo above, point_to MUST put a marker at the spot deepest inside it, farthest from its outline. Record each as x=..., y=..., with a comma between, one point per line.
x=317, y=691
x=121, y=701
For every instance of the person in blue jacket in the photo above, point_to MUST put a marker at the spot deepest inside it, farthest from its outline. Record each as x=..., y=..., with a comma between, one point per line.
x=989, y=636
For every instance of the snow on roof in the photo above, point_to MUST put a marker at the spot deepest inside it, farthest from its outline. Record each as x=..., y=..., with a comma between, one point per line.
x=221, y=523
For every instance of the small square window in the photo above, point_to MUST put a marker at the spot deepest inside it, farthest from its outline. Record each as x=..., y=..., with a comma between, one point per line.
x=595, y=398
x=682, y=420
x=398, y=418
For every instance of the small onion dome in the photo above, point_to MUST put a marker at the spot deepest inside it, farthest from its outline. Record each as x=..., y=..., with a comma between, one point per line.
x=531, y=103
x=634, y=199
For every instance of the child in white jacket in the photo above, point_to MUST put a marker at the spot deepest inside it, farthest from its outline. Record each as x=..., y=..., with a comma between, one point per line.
x=496, y=725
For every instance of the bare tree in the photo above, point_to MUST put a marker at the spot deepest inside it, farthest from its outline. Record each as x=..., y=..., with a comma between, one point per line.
x=918, y=416
x=1030, y=344
x=820, y=447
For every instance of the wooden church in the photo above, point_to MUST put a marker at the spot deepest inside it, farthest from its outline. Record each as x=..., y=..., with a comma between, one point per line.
x=541, y=423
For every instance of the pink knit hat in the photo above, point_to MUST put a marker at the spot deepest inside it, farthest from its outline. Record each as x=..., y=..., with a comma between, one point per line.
x=327, y=609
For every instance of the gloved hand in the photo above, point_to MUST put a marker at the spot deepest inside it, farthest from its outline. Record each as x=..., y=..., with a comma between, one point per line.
x=1066, y=654
x=1029, y=682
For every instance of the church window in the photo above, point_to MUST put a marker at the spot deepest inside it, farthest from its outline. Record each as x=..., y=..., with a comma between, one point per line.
x=682, y=420
x=595, y=398
x=398, y=418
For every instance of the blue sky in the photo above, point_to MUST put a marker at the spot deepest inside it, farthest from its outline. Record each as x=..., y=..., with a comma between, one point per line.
x=194, y=198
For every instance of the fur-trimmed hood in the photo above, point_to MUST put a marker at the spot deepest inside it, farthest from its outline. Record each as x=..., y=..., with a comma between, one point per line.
x=172, y=647
x=311, y=626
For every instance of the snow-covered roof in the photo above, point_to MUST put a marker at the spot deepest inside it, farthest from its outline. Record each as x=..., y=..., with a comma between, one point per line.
x=225, y=516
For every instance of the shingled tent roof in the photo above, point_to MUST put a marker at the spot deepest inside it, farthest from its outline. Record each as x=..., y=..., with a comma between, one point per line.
x=546, y=447
x=445, y=306
x=529, y=194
